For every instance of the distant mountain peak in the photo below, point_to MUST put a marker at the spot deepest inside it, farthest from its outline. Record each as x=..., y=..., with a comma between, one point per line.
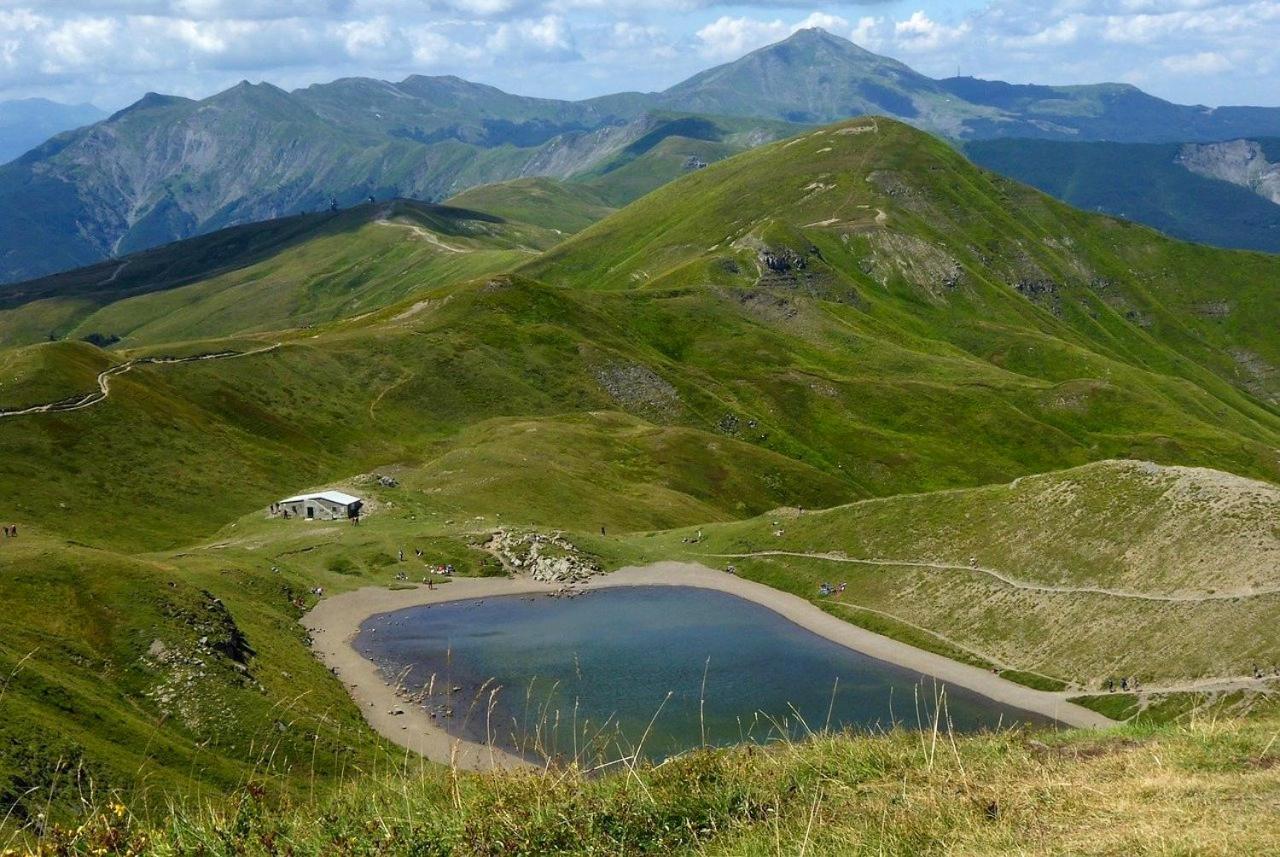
x=149, y=101
x=813, y=38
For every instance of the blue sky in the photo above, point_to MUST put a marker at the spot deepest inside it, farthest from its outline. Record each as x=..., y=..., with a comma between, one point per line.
x=112, y=51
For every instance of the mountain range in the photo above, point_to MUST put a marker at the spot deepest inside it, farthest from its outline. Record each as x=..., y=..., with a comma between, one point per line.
x=167, y=168
x=27, y=122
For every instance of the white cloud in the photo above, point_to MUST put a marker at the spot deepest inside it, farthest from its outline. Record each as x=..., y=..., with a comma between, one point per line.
x=546, y=38
x=1205, y=62
x=729, y=38
x=1214, y=51
x=831, y=23
x=922, y=33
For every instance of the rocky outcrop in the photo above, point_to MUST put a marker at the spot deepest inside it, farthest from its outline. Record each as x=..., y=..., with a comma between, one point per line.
x=1241, y=162
x=545, y=558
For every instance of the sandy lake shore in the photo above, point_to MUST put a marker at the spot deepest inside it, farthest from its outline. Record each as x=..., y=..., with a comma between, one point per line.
x=334, y=623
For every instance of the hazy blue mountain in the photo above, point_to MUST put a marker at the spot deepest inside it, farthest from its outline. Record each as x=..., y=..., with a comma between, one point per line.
x=1217, y=194
x=815, y=77
x=27, y=122
x=168, y=168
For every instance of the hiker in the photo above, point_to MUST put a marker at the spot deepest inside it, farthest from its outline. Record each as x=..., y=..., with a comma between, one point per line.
x=602, y=529
x=402, y=554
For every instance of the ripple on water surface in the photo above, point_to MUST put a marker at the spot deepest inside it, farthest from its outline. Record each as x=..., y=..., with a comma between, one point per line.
x=590, y=674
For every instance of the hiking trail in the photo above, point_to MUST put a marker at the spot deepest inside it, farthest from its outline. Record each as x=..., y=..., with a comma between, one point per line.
x=77, y=403
x=1006, y=579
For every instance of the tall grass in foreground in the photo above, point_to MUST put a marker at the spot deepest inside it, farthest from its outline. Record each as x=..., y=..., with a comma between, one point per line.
x=1207, y=786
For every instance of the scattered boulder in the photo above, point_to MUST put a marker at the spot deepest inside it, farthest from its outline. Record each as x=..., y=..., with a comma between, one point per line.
x=639, y=389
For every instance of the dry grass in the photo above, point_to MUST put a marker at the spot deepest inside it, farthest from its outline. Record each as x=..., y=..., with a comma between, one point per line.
x=1210, y=787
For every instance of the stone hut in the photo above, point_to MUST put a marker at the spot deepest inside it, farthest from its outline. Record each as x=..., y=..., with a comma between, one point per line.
x=322, y=506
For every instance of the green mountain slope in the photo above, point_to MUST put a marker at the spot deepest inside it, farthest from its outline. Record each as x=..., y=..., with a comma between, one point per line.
x=1147, y=183
x=286, y=273
x=563, y=206
x=851, y=315
x=898, y=228
x=675, y=146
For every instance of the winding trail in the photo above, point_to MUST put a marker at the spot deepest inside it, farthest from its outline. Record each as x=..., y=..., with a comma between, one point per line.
x=115, y=275
x=425, y=234
x=77, y=403
x=1006, y=579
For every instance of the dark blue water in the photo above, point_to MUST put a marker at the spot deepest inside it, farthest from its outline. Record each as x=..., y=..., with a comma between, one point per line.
x=587, y=677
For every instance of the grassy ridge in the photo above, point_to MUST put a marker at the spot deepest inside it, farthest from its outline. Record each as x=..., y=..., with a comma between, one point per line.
x=963, y=252
x=565, y=206
x=290, y=273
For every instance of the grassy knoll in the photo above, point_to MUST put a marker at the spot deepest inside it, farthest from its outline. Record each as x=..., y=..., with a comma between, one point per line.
x=567, y=206
x=1205, y=788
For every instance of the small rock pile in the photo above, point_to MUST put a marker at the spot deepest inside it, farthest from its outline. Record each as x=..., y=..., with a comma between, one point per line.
x=545, y=558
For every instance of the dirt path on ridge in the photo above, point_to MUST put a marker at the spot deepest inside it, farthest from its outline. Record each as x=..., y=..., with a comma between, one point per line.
x=77, y=403
x=1004, y=578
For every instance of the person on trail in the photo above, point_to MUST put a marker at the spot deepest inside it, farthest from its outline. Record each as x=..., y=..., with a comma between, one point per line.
x=402, y=554
x=602, y=529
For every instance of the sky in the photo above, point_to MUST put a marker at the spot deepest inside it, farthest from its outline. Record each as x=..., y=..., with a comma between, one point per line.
x=111, y=52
